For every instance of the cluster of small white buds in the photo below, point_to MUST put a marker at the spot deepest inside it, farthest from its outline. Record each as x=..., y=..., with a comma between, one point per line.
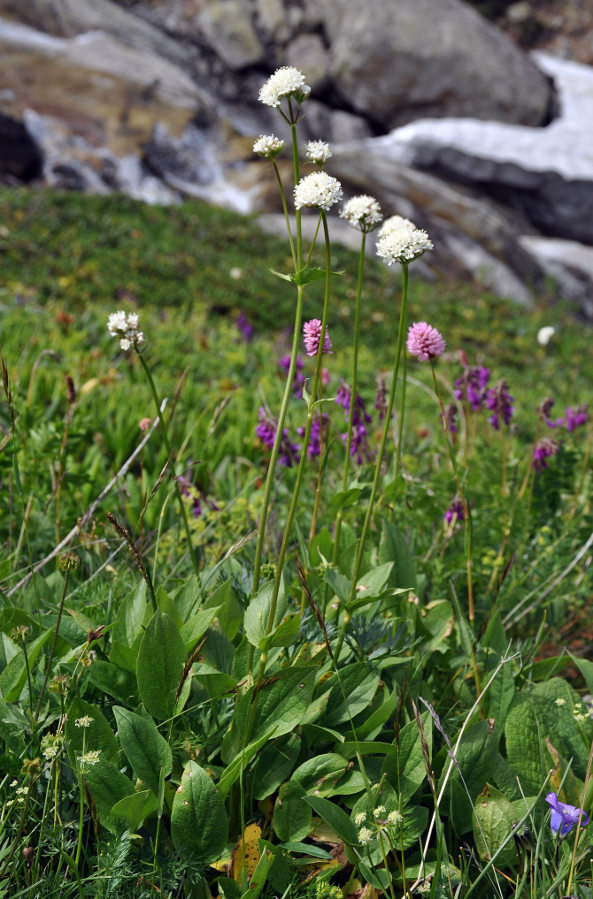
x=362, y=212
x=125, y=326
x=318, y=152
x=401, y=241
x=318, y=189
x=268, y=146
x=285, y=82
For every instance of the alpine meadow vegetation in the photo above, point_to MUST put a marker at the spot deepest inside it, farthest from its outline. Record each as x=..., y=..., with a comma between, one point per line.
x=296, y=570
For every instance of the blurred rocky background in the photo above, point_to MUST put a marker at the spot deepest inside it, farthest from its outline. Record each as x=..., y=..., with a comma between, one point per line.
x=473, y=119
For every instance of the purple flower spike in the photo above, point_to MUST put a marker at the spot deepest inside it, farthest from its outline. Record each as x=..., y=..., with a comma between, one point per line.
x=542, y=451
x=425, y=342
x=500, y=403
x=319, y=424
x=288, y=453
x=564, y=817
x=471, y=386
x=245, y=327
x=454, y=512
x=299, y=378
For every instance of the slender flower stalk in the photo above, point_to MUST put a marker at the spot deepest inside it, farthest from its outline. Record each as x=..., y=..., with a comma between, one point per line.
x=379, y=459
x=300, y=471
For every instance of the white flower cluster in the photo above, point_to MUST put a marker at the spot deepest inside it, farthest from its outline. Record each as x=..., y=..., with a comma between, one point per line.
x=401, y=241
x=126, y=328
x=90, y=758
x=318, y=189
x=365, y=835
x=362, y=212
x=85, y=721
x=268, y=145
x=285, y=82
x=318, y=152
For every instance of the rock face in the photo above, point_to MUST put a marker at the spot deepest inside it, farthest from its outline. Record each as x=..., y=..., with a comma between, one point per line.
x=546, y=173
x=158, y=100
x=397, y=61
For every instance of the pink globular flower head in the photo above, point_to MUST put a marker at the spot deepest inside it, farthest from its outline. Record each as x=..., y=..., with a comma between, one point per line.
x=425, y=342
x=312, y=336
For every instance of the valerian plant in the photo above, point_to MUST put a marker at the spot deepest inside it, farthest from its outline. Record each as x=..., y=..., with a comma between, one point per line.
x=291, y=655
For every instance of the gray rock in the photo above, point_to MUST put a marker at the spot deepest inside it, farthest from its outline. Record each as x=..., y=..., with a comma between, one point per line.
x=308, y=54
x=569, y=263
x=392, y=62
x=547, y=173
x=228, y=29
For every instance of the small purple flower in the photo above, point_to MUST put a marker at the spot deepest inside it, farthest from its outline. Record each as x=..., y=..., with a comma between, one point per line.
x=574, y=418
x=564, y=817
x=450, y=419
x=343, y=396
x=299, y=378
x=425, y=342
x=500, y=403
x=471, y=386
x=381, y=398
x=542, y=450
x=454, y=512
x=359, y=448
x=319, y=424
x=288, y=453
x=245, y=327
x=312, y=336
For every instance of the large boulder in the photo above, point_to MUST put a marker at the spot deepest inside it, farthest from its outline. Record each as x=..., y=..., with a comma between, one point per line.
x=394, y=62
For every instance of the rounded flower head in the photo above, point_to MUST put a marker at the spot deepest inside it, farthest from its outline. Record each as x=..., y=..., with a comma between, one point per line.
x=545, y=334
x=362, y=212
x=401, y=241
x=268, y=146
x=425, y=342
x=318, y=152
x=318, y=189
x=126, y=328
x=312, y=336
x=285, y=82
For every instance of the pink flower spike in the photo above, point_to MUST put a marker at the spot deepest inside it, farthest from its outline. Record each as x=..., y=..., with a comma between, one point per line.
x=425, y=342
x=312, y=336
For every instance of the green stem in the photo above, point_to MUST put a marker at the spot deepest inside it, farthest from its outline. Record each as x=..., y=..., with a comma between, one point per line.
x=353, y=388
x=379, y=461
x=400, y=430
x=296, y=338
x=464, y=504
x=165, y=433
x=296, y=171
x=52, y=648
x=286, y=218
x=303, y=459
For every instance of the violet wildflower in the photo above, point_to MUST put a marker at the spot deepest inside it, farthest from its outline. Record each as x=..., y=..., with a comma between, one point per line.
x=381, y=397
x=245, y=327
x=360, y=418
x=542, y=451
x=299, y=378
x=319, y=432
x=574, y=418
x=500, y=402
x=564, y=817
x=450, y=419
x=325, y=376
x=359, y=448
x=312, y=336
x=266, y=431
x=454, y=512
x=425, y=342
x=544, y=411
x=471, y=386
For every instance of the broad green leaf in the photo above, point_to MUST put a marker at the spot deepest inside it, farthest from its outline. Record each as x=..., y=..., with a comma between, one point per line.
x=283, y=700
x=259, y=876
x=215, y=682
x=166, y=605
x=98, y=735
x=333, y=815
x=233, y=770
x=123, y=656
x=198, y=819
x=405, y=766
x=379, y=717
x=292, y=816
x=107, y=786
x=11, y=617
x=135, y=808
x=114, y=681
x=338, y=582
x=230, y=612
x=320, y=774
x=131, y=616
x=394, y=548
x=194, y=629
x=372, y=582
x=188, y=598
x=307, y=849
x=500, y=695
x=160, y=664
x=353, y=692
x=493, y=822
x=14, y=676
x=274, y=764
x=257, y=615
x=146, y=750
